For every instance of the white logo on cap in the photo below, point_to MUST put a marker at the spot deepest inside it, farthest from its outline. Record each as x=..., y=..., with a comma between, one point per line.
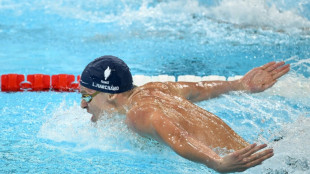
x=107, y=73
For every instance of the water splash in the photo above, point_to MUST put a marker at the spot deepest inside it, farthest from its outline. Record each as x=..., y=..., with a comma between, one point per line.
x=291, y=150
x=279, y=117
x=72, y=125
x=259, y=14
x=66, y=124
x=166, y=15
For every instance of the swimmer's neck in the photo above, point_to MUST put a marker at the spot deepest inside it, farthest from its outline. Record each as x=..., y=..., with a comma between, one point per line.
x=122, y=101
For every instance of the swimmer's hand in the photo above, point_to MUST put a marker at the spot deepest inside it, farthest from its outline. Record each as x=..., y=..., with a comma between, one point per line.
x=264, y=77
x=243, y=159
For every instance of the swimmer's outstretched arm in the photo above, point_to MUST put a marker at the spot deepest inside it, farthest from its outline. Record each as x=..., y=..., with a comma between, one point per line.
x=190, y=148
x=256, y=80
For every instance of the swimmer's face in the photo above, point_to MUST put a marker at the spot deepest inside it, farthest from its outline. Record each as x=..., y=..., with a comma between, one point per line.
x=98, y=103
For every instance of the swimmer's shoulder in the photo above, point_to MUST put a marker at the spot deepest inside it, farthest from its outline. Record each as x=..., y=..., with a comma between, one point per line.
x=148, y=88
x=155, y=85
x=166, y=87
x=140, y=116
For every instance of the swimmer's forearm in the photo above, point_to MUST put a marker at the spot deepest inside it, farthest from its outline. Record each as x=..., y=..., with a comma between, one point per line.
x=198, y=91
x=184, y=144
x=195, y=151
x=215, y=88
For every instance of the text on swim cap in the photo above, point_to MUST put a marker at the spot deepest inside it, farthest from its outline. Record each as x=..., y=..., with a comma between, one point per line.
x=105, y=82
x=106, y=87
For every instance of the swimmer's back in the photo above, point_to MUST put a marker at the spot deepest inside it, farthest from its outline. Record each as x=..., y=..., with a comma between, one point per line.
x=203, y=125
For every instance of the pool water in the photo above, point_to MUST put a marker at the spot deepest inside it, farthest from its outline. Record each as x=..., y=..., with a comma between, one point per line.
x=47, y=132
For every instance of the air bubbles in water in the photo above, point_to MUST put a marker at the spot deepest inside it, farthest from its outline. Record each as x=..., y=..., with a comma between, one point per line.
x=72, y=125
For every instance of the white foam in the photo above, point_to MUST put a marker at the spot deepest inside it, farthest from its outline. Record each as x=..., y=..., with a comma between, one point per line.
x=245, y=13
x=72, y=125
x=293, y=86
x=291, y=150
x=66, y=124
x=258, y=13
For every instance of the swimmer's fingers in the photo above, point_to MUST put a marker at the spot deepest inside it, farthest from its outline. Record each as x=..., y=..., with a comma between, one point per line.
x=279, y=72
x=246, y=150
x=245, y=158
x=254, y=150
x=257, y=158
x=253, y=157
x=249, y=150
x=267, y=65
x=274, y=66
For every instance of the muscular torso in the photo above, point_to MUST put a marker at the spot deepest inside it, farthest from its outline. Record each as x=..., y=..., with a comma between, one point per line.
x=199, y=123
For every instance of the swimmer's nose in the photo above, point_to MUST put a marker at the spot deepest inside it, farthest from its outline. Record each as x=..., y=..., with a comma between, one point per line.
x=83, y=104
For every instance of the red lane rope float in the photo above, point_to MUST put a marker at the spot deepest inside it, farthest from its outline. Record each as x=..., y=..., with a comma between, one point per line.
x=39, y=82
x=11, y=82
x=64, y=82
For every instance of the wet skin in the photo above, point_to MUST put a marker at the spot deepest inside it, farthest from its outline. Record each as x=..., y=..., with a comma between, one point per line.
x=173, y=108
x=165, y=112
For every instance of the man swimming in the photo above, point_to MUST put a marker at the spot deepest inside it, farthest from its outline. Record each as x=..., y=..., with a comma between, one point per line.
x=165, y=112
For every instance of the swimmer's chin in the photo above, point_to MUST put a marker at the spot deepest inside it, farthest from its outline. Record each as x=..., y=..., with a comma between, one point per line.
x=93, y=119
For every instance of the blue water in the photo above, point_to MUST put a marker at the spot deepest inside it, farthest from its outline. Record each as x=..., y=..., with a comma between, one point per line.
x=47, y=132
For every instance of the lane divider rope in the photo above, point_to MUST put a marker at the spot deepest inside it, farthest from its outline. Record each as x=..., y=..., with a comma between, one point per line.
x=39, y=82
x=70, y=83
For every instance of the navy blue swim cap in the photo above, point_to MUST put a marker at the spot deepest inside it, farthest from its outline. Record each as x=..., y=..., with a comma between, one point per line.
x=107, y=74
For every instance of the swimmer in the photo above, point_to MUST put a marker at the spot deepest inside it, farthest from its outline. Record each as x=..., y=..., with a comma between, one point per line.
x=164, y=111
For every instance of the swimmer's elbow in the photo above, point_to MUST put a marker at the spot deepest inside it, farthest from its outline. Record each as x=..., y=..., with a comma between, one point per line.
x=191, y=149
x=180, y=145
x=169, y=133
